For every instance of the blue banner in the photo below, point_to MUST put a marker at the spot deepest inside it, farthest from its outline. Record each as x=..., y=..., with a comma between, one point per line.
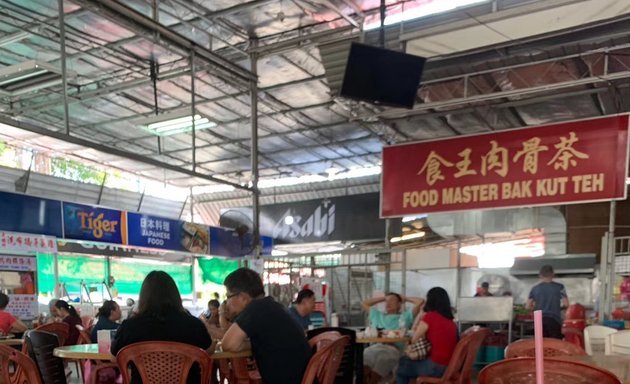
x=85, y=222
x=157, y=232
x=21, y=213
x=228, y=242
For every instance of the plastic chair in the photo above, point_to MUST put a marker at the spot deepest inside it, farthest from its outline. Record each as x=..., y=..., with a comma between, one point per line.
x=323, y=339
x=551, y=348
x=617, y=343
x=459, y=369
x=163, y=361
x=523, y=371
x=595, y=338
x=59, y=329
x=325, y=362
x=345, y=373
x=40, y=347
x=24, y=371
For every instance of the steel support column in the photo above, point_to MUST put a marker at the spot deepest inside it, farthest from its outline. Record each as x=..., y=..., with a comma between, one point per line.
x=64, y=73
x=606, y=310
x=254, y=155
x=193, y=111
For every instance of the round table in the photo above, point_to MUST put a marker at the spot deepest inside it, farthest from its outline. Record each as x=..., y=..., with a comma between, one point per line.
x=361, y=341
x=90, y=352
x=11, y=342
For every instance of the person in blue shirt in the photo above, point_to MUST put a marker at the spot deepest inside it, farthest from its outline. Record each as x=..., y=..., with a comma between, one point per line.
x=551, y=298
x=303, y=307
x=107, y=316
x=382, y=359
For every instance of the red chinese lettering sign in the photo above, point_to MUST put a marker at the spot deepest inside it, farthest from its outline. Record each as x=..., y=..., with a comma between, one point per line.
x=562, y=163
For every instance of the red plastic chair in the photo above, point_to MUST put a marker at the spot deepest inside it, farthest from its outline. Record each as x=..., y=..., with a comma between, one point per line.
x=60, y=329
x=323, y=339
x=163, y=362
x=17, y=368
x=325, y=362
x=459, y=369
x=523, y=371
x=551, y=348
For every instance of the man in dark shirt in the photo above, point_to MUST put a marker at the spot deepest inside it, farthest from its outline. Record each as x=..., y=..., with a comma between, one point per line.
x=277, y=341
x=303, y=307
x=484, y=291
x=550, y=297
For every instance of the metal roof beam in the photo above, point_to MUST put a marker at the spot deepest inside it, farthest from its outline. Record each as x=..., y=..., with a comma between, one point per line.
x=141, y=24
x=113, y=151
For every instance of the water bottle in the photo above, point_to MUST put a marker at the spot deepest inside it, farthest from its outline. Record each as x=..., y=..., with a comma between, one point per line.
x=334, y=320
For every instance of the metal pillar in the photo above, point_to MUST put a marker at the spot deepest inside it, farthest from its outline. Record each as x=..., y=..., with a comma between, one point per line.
x=256, y=251
x=403, y=277
x=458, y=277
x=193, y=272
x=57, y=291
x=192, y=207
x=64, y=73
x=193, y=110
x=610, y=262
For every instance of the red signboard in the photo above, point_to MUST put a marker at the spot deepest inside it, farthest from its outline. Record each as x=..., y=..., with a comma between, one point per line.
x=562, y=163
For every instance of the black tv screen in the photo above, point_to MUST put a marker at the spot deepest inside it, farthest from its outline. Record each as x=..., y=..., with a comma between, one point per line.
x=382, y=76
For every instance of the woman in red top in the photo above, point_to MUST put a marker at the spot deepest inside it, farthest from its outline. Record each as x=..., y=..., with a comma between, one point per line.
x=8, y=322
x=70, y=317
x=438, y=327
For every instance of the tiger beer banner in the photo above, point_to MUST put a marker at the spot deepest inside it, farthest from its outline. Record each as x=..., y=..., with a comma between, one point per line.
x=561, y=163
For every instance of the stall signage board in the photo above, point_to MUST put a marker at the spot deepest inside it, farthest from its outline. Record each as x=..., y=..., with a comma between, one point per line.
x=22, y=243
x=17, y=263
x=158, y=232
x=85, y=222
x=23, y=306
x=580, y=161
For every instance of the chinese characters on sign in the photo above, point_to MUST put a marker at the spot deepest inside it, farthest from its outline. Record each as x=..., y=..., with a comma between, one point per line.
x=560, y=163
x=14, y=242
x=23, y=306
x=17, y=263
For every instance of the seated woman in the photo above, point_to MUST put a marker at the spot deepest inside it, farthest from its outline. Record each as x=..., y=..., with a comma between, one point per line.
x=161, y=316
x=438, y=327
x=107, y=318
x=8, y=322
x=69, y=316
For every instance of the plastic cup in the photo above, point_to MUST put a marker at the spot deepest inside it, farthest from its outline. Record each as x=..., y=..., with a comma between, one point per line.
x=104, y=340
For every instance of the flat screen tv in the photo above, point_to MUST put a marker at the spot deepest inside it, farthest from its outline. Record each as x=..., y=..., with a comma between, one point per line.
x=382, y=76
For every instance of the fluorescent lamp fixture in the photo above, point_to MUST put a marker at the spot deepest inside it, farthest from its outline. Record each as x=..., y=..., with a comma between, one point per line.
x=424, y=8
x=332, y=171
x=408, y=219
x=411, y=236
x=174, y=122
x=277, y=252
x=29, y=76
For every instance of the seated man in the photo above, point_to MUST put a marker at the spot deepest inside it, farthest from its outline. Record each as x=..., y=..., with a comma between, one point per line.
x=277, y=341
x=381, y=359
x=303, y=307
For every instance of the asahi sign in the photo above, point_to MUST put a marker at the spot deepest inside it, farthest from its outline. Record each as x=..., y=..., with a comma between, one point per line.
x=320, y=223
x=344, y=218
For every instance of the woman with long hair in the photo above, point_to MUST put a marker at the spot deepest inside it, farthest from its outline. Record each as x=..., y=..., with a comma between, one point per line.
x=161, y=316
x=438, y=327
x=107, y=318
x=70, y=316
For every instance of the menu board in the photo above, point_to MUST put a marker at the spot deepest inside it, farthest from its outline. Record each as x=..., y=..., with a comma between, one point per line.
x=23, y=306
x=17, y=263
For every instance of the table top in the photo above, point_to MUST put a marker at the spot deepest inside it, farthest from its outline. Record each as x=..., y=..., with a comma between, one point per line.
x=617, y=364
x=90, y=351
x=11, y=341
x=384, y=340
